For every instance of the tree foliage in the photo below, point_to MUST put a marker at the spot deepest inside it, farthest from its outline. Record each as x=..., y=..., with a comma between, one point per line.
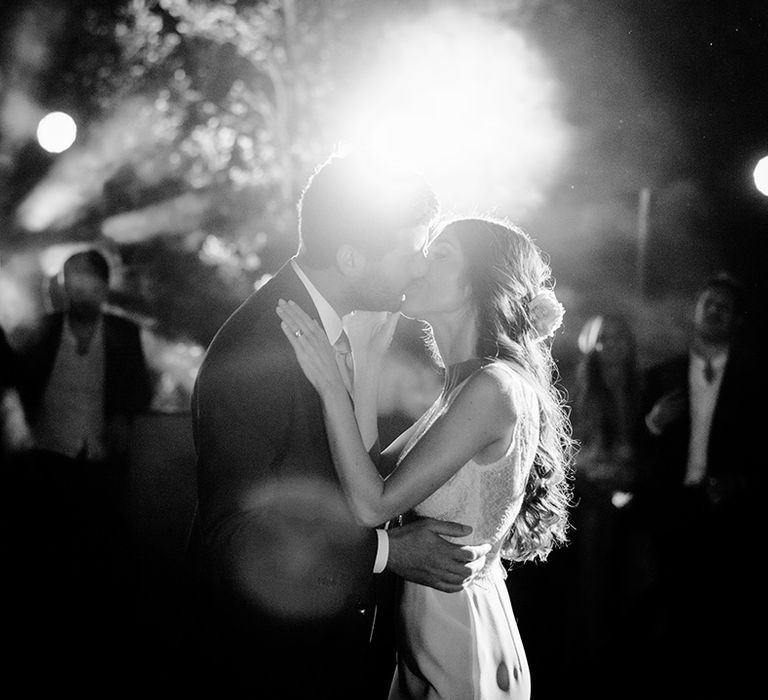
x=232, y=101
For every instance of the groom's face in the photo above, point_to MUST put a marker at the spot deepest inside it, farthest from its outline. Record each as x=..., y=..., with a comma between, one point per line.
x=382, y=286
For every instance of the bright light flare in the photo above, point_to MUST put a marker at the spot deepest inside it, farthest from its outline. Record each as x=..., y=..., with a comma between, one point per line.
x=760, y=175
x=56, y=132
x=469, y=102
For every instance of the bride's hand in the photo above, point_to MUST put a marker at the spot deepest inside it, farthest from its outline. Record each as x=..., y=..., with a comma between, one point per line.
x=313, y=351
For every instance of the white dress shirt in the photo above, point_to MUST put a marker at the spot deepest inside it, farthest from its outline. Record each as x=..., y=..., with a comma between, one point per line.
x=703, y=399
x=334, y=328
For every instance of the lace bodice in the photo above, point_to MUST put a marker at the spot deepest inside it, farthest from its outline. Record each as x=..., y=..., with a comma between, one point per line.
x=486, y=496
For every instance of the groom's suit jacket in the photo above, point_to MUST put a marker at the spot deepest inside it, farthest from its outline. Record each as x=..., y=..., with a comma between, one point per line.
x=271, y=510
x=277, y=541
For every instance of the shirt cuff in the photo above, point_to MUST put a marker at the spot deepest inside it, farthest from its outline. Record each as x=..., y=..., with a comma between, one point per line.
x=382, y=553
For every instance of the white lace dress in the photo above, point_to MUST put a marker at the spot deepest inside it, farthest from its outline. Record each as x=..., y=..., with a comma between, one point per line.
x=466, y=645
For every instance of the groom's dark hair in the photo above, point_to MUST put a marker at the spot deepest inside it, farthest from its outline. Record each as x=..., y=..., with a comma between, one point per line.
x=361, y=200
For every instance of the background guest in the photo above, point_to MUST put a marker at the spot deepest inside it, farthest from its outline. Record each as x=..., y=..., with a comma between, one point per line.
x=607, y=556
x=83, y=379
x=706, y=411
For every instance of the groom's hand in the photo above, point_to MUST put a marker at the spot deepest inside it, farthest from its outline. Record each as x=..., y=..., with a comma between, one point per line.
x=419, y=553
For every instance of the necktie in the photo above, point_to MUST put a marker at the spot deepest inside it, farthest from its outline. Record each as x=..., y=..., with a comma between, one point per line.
x=344, y=360
x=709, y=371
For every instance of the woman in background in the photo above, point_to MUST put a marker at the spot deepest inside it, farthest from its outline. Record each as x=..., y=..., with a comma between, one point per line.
x=607, y=423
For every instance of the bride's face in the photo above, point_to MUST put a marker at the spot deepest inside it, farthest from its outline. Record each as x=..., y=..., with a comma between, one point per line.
x=442, y=289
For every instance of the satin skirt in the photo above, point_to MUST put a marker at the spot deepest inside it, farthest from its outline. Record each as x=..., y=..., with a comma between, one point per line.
x=460, y=646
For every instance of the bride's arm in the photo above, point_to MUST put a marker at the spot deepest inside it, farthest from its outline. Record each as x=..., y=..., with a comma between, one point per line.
x=478, y=417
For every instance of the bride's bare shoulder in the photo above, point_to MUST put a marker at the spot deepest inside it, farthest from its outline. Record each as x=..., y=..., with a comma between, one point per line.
x=505, y=380
x=495, y=388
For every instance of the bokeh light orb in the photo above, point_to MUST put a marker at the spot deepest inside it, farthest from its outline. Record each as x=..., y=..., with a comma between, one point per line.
x=298, y=537
x=760, y=175
x=56, y=132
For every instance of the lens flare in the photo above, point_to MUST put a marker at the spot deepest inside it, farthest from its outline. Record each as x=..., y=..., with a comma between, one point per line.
x=303, y=534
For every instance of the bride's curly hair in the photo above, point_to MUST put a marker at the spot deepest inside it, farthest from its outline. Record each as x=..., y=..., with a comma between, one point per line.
x=505, y=270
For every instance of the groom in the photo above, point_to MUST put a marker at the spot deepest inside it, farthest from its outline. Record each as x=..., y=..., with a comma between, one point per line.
x=289, y=576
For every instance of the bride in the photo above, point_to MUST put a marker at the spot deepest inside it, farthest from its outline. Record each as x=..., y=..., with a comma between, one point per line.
x=493, y=452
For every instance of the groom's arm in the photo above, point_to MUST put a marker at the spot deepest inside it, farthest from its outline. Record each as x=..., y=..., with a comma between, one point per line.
x=418, y=552
x=382, y=536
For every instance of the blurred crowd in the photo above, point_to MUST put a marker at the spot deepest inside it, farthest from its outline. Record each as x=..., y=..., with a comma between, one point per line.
x=656, y=592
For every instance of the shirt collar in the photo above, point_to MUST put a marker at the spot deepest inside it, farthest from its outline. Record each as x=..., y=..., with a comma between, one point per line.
x=96, y=333
x=718, y=361
x=328, y=317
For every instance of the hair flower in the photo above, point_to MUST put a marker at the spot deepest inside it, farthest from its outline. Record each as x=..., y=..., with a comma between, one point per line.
x=546, y=313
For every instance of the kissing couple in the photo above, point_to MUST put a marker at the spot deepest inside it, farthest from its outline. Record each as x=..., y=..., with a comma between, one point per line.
x=316, y=540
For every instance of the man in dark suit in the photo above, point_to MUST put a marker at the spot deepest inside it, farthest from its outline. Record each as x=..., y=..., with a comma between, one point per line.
x=104, y=380
x=83, y=379
x=705, y=414
x=290, y=576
